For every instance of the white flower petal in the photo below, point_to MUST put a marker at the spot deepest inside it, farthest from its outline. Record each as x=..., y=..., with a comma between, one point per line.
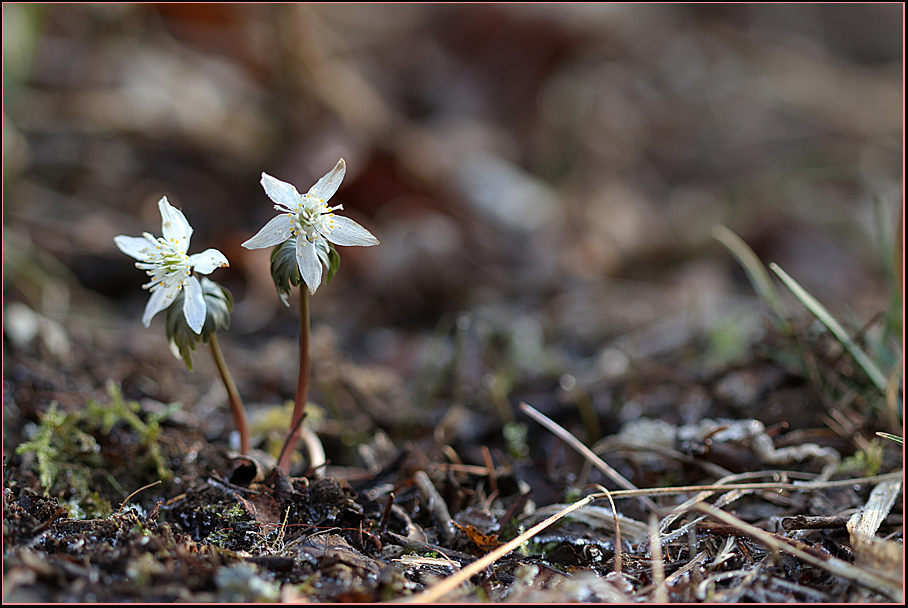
x=133, y=246
x=194, y=305
x=278, y=230
x=174, y=225
x=282, y=193
x=160, y=299
x=208, y=260
x=328, y=185
x=344, y=231
x=307, y=260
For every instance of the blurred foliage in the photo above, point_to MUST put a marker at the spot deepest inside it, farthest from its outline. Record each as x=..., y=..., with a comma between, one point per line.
x=511, y=149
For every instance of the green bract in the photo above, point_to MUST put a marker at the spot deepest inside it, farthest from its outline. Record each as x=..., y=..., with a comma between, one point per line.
x=285, y=270
x=218, y=306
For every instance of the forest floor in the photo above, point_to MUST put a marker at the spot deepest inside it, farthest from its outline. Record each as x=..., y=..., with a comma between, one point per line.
x=146, y=503
x=550, y=382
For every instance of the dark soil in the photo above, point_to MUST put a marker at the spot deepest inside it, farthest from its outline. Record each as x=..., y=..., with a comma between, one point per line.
x=223, y=530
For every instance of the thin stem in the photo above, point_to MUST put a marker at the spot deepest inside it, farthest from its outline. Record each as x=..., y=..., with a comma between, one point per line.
x=236, y=404
x=302, y=384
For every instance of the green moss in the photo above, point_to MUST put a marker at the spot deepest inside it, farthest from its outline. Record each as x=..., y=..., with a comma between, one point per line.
x=237, y=513
x=63, y=450
x=67, y=448
x=866, y=462
x=219, y=538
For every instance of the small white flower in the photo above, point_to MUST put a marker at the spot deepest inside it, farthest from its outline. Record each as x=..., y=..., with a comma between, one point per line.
x=308, y=217
x=170, y=269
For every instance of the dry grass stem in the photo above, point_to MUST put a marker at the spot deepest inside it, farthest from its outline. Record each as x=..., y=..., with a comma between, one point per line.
x=771, y=486
x=660, y=596
x=126, y=500
x=889, y=586
x=440, y=589
x=618, y=546
x=587, y=453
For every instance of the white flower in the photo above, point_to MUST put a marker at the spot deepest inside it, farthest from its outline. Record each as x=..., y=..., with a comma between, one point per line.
x=170, y=269
x=309, y=217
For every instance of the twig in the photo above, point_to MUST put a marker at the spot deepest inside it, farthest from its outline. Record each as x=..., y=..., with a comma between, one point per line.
x=490, y=466
x=423, y=547
x=386, y=514
x=436, y=505
x=587, y=453
x=126, y=500
x=887, y=586
x=814, y=522
x=470, y=469
x=450, y=583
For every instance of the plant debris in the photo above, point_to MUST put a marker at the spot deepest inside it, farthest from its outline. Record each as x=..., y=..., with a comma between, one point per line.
x=414, y=522
x=560, y=378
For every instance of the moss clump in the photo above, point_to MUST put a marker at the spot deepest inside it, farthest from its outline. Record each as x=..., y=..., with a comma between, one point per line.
x=866, y=462
x=83, y=449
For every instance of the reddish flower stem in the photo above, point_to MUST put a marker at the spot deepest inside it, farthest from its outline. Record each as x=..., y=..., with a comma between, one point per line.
x=302, y=384
x=236, y=404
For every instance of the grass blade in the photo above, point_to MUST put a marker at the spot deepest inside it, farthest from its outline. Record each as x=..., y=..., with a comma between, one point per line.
x=814, y=306
x=755, y=270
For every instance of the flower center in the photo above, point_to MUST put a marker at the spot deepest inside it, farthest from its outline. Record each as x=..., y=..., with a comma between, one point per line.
x=167, y=266
x=316, y=219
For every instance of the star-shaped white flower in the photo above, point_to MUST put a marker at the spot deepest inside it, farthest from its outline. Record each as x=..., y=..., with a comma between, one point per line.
x=308, y=217
x=170, y=269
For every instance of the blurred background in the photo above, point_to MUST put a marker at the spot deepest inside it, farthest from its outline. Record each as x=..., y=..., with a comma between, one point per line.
x=543, y=180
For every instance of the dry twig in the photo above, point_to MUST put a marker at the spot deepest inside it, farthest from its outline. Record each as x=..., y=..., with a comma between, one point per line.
x=439, y=590
x=886, y=585
x=587, y=453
